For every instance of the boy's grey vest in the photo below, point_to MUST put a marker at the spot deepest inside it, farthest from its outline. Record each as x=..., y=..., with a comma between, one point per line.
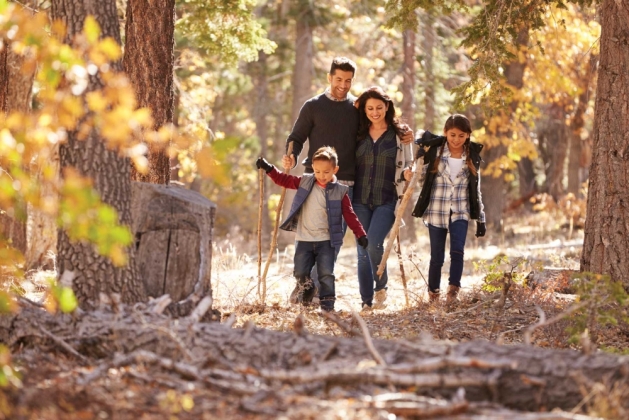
x=334, y=193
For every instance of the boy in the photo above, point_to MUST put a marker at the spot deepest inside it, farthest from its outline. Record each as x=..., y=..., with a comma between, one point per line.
x=316, y=216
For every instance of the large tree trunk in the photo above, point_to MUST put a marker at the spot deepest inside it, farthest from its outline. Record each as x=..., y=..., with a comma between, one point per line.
x=110, y=173
x=148, y=61
x=408, y=116
x=286, y=365
x=576, y=125
x=605, y=247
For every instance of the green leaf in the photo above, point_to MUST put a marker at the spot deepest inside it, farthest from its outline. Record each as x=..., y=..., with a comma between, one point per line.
x=67, y=300
x=3, y=5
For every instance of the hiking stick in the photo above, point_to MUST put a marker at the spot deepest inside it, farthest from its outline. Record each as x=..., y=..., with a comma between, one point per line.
x=398, y=219
x=261, y=175
x=402, y=272
x=278, y=216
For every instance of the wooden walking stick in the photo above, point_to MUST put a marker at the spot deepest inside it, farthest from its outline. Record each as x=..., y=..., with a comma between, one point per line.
x=398, y=218
x=402, y=272
x=278, y=218
x=261, y=176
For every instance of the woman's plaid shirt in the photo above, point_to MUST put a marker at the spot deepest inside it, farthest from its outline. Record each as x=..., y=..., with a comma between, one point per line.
x=450, y=195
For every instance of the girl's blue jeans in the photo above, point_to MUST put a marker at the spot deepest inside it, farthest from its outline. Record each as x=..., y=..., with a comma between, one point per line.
x=377, y=222
x=458, y=233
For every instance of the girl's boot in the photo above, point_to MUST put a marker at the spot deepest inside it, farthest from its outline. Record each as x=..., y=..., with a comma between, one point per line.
x=452, y=295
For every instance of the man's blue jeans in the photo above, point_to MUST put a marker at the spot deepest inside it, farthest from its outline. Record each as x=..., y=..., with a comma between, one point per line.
x=377, y=221
x=320, y=255
x=458, y=233
x=314, y=275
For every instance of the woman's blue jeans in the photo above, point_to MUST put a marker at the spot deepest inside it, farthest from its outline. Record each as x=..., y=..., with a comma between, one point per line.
x=458, y=233
x=377, y=222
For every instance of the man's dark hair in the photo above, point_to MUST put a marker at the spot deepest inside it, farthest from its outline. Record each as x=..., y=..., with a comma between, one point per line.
x=344, y=64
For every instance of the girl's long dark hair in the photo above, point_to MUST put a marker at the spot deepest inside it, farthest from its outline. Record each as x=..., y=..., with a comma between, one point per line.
x=375, y=92
x=461, y=122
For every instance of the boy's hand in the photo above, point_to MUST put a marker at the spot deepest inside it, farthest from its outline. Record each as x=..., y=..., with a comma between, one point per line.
x=261, y=163
x=480, y=229
x=362, y=241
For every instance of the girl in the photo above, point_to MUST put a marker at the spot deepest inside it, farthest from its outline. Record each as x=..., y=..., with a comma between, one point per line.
x=450, y=197
x=380, y=160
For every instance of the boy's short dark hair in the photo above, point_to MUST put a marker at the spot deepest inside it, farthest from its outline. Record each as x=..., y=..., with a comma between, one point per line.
x=327, y=154
x=344, y=64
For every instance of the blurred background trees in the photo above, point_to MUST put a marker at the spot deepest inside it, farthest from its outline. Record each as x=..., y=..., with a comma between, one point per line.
x=242, y=69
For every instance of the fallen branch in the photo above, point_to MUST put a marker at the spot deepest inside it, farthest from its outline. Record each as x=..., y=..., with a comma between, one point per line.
x=542, y=320
x=368, y=341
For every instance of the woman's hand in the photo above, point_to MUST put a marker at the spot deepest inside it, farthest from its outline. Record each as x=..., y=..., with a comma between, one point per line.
x=408, y=174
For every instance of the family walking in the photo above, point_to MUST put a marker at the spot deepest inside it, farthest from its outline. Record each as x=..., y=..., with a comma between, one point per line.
x=359, y=163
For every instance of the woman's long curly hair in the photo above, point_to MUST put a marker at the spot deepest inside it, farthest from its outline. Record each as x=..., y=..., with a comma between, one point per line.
x=375, y=92
x=461, y=122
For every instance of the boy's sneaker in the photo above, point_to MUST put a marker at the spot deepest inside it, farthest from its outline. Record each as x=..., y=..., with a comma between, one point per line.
x=379, y=298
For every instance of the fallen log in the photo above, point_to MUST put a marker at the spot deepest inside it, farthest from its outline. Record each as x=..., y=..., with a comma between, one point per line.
x=251, y=360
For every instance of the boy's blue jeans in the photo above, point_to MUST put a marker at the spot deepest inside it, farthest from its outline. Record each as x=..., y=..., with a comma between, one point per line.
x=314, y=275
x=458, y=233
x=377, y=222
x=320, y=255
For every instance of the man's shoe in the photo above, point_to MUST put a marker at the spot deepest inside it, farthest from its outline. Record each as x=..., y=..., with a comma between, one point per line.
x=380, y=296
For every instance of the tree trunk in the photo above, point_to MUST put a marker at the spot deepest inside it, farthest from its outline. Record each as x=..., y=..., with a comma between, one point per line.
x=605, y=246
x=148, y=61
x=110, y=173
x=576, y=126
x=408, y=116
x=16, y=85
x=289, y=364
x=302, y=91
x=428, y=45
x=260, y=114
x=553, y=138
x=494, y=189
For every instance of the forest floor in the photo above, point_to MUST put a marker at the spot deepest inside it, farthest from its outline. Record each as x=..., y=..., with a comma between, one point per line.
x=532, y=242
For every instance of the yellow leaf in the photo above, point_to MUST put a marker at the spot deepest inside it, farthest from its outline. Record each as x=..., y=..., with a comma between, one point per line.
x=91, y=29
x=96, y=102
x=110, y=48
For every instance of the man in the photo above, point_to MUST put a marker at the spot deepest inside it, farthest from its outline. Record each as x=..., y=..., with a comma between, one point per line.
x=330, y=119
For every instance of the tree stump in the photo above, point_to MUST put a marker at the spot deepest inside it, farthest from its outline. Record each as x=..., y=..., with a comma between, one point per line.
x=173, y=236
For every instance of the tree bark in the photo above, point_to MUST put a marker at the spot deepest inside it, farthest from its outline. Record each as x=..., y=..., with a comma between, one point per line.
x=408, y=116
x=110, y=173
x=517, y=376
x=605, y=246
x=148, y=61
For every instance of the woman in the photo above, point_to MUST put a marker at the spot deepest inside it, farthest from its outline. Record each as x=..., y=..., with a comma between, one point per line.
x=380, y=162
